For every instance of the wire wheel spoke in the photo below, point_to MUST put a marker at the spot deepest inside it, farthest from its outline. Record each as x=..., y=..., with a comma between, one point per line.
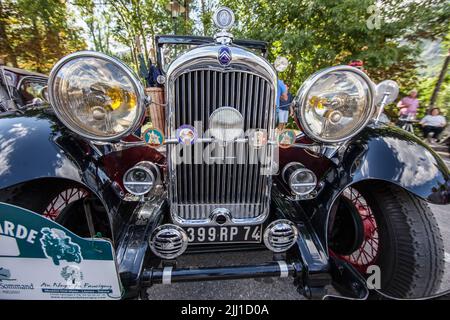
x=368, y=252
x=62, y=200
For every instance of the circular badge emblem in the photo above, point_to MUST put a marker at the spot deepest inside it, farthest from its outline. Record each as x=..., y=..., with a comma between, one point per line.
x=186, y=134
x=286, y=138
x=153, y=137
x=258, y=138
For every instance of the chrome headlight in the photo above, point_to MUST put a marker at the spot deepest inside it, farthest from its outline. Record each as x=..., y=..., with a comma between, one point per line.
x=335, y=104
x=141, y=178
x=301, y=180
x=96, y=96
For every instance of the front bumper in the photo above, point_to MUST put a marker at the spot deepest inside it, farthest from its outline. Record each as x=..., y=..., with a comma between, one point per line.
x=306, y=263
x=170, y=274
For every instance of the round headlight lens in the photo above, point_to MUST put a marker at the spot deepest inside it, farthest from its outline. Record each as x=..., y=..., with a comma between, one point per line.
x=96, y=96
x=335, y=104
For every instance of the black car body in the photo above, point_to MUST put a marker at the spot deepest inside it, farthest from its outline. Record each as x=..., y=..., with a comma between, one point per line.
x=312, y=234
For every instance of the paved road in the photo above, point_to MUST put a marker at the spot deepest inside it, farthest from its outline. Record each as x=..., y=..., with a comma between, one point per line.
x=262, y=289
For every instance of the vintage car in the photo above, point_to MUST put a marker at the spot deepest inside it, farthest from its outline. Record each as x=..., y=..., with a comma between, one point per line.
x=334, y=203
x=21, y=89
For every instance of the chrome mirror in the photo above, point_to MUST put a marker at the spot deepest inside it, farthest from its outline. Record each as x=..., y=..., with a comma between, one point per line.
x=387, y=92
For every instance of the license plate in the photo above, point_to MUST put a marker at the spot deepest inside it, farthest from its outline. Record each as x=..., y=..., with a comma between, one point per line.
x=224, y=234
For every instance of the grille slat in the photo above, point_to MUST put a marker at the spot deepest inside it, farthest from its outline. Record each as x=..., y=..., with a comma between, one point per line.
x=200, y=188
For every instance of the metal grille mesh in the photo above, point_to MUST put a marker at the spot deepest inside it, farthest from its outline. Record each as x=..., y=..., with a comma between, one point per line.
x=200, y=188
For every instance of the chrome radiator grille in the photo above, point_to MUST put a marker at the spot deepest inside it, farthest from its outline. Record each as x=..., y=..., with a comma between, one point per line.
x=198, y=189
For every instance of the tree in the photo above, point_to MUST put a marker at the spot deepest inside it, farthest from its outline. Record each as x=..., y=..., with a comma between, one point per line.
x=320, y=33
x=440, y=80
x=202, y=15
x=37, y=33
x=135, y=23
x=98, y=21
x=6, y=16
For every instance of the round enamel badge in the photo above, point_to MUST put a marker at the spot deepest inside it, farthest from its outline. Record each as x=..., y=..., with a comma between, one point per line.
x=286, y=138
x=186, y=134
x=153, y=137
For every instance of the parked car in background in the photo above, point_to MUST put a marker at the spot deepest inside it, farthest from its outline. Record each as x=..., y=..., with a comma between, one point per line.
x=21, y=89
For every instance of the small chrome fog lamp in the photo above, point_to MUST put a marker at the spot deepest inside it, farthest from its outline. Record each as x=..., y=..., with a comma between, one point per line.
x=280, y=235
x=141, y=178
x=301, y=180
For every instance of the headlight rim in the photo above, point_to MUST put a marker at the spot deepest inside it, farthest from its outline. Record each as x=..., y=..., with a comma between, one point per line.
x=151, y=169
x=303, y=92
x=137, y=86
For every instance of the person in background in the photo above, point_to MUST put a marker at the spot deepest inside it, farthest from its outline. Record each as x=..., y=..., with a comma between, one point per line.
x=153, y=73
x=283, y=113
x=281, y=96
x=433, y=124
x=408, y=106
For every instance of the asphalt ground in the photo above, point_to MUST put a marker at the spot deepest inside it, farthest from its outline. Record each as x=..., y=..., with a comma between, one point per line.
x=265, y=288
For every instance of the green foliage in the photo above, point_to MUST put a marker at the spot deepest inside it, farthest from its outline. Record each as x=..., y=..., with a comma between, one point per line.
x=321, y=33
x=313, y=34
x=34, y=34
x=98, y=22
x=426, y=88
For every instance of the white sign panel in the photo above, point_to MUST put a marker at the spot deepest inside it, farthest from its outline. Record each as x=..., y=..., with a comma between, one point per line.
x=40, y=259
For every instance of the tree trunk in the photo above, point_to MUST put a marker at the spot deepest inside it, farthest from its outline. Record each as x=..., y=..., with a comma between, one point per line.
x=440, y=80
x=134, y=55
x=203, y=11
x=186, y=16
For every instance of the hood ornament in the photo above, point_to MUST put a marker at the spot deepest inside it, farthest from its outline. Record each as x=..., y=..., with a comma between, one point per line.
x=224, y=20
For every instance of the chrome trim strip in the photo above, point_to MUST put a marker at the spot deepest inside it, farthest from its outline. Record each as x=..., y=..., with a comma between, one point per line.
x=167, y=275
x=251, y=71
x=284, y=272
x=205, y=57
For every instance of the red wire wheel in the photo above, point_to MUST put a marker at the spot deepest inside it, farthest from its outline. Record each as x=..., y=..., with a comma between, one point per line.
x=367, y=253
x=62, y=200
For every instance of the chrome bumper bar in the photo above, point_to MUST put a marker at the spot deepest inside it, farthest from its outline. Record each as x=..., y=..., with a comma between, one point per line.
x=168, y=275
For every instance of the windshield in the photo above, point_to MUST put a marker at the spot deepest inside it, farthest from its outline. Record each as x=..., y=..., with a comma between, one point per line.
x=170, y=47
x=170, y=52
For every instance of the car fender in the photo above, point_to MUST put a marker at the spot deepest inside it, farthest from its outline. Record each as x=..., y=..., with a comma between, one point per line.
x=383, y=153
x=391, y=154
x=36, y=145
x=31, y=148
